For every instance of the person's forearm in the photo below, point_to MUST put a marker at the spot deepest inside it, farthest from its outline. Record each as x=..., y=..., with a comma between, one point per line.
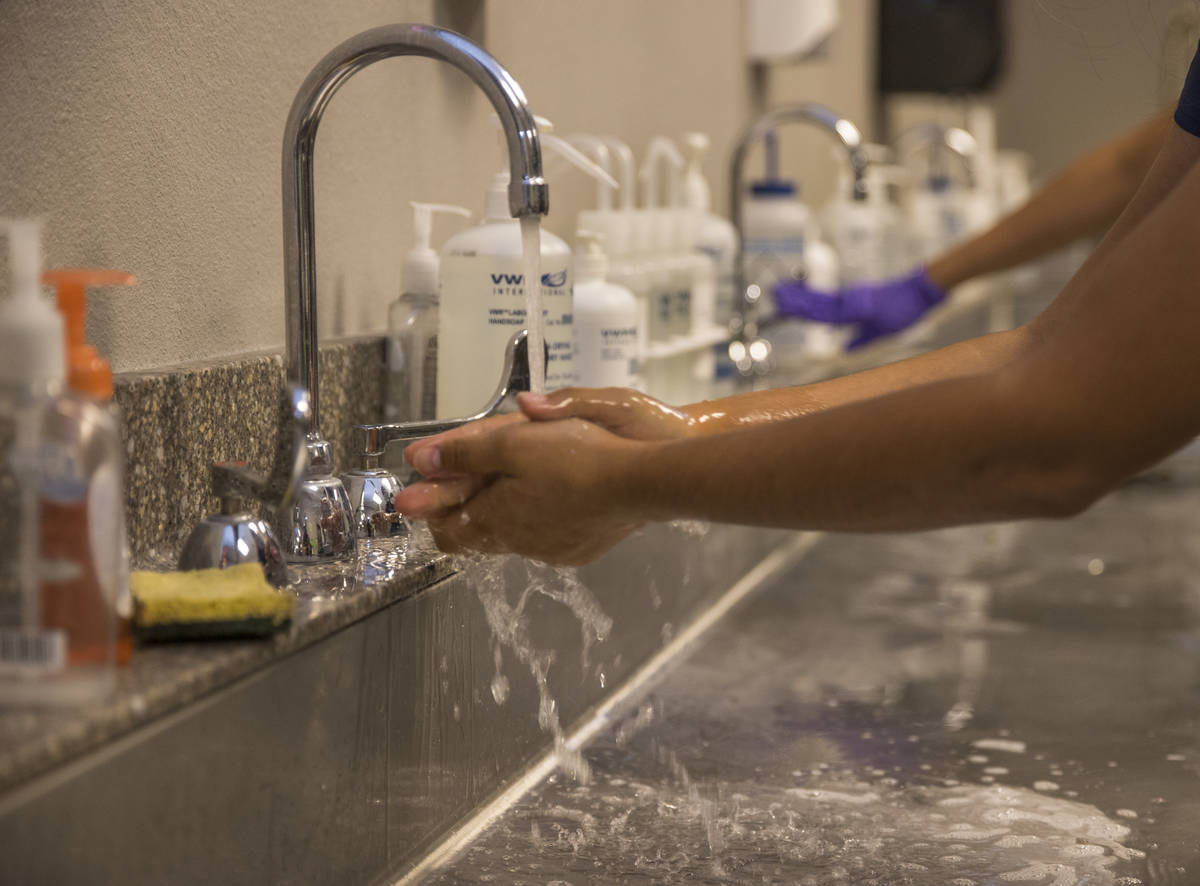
x=962, y=358
x=1102, y=389
x=1081, y=201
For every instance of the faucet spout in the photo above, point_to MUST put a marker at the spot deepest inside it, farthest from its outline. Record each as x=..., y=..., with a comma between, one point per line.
x=527, y=191
x=318, y=525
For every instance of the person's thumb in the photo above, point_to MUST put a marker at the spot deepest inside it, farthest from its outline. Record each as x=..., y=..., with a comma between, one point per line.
x=482, y=454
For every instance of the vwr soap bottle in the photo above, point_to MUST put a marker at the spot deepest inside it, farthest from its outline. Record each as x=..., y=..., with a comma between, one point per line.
x=483, y=297
x=61, y=476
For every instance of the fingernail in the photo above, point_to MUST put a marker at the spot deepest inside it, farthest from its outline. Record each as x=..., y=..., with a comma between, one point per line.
x=532, y=398
x=428, y=461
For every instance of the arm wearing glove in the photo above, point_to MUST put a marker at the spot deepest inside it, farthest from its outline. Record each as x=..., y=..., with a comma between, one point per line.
x=874, y=309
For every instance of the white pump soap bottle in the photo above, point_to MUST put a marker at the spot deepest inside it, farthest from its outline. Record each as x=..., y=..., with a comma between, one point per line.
x=606, y=320
x=412, y=342
x=483, y=297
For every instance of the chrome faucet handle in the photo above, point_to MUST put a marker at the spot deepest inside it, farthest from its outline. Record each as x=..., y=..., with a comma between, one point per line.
x=372, y=488
x=370, y=441
x=233, y=535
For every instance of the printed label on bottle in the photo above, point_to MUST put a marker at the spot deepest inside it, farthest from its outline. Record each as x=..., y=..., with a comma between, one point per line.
x=32, y=652
x=607, y=356
x=482, y=305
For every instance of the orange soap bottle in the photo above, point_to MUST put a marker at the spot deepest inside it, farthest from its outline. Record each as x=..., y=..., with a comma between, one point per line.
x=83, y=506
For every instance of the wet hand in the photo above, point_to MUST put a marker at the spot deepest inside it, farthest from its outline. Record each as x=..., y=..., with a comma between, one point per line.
x=549, y=490
x=450, y=491
x=623, y=411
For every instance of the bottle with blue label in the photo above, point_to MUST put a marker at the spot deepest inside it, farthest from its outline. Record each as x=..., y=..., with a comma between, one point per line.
x=483, y=296
x=777, y=228
x=483, y=305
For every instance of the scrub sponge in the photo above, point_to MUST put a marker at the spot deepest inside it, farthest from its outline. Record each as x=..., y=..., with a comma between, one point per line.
x=233, y=602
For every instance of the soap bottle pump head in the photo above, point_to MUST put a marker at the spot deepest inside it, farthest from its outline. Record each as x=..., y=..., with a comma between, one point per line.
x=591, y=264
x=31, y=331
x=421, y=264
x=696, y=192
x=87, y=372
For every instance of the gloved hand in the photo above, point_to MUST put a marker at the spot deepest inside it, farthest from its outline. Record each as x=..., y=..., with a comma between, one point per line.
x=875, y=309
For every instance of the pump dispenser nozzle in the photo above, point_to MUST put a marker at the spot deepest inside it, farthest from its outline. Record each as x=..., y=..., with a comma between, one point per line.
x=662, y=149
x=591, y=262
x=421, y=263
x=31, y=331
x=87, y=371
x=696, y=193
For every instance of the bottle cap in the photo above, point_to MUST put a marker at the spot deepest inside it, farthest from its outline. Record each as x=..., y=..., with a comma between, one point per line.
x=87, y=372
x=31, y=331
x=421, y=264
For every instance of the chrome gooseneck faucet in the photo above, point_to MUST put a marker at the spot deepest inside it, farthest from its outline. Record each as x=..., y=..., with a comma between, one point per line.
x=937, y=139
x=750, y=352
x=319, y=524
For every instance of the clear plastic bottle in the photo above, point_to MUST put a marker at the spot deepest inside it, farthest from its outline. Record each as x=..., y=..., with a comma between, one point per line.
x=89, y=399
x=60, y=583
x=412, y=340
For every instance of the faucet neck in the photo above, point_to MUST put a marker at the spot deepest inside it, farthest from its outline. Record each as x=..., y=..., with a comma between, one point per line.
x=527, y=191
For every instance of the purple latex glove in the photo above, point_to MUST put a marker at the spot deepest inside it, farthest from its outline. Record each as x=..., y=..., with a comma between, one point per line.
x=875, y=309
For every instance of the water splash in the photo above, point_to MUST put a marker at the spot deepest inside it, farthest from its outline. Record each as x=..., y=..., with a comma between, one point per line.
x=509, y=624
x=838, y=827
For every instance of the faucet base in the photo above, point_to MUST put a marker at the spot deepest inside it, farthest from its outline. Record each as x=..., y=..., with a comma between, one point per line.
x=372, y=493
x=318, y=526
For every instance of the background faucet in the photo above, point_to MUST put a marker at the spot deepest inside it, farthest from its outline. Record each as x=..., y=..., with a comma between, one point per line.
x=749, y=351
x=319, y=524
x=938, y=139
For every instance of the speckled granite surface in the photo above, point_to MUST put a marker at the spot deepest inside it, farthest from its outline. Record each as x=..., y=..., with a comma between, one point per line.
x=178, y=421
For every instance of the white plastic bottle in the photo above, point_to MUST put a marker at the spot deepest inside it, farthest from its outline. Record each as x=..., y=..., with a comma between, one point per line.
x=777, y=229
x=715, y=236
x=606, y=320
x=483, y=297
x=866, y=233
x=62, y=468
x=412, y=341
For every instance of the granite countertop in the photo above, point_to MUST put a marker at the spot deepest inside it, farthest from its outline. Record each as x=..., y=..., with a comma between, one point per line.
x=162, y=678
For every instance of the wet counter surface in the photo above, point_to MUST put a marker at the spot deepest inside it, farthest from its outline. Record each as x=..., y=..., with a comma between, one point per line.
x=997, y=704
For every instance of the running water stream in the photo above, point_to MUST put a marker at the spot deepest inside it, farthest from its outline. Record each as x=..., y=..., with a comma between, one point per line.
x=534, y=314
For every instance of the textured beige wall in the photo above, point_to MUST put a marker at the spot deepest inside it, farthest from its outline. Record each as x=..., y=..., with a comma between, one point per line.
x=1079, y=73
x=1076, y=75
x=148, y=136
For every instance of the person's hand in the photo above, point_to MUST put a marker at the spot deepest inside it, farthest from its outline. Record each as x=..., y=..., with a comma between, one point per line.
x=550, y=490
x=874, y=309
x=624, y=411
